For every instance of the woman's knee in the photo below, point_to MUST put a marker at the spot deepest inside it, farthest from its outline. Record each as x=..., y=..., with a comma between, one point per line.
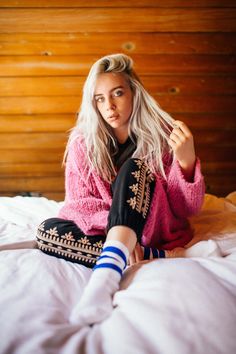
x=56, y=226
x=132, y=193
x=63, y=239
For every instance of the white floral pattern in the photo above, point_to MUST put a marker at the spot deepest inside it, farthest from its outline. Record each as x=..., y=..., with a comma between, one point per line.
x=132, y=202
x=99, y=244
x=85, y=241
x=52, y=232
x=141, y=201
x=68, y=236
x=41, y=226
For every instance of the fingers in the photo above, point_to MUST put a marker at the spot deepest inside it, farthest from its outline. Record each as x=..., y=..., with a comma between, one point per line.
x=182, y=127
x=182, y=143
x=131, y=259
x=177, y=136
x=137, y=255
x=180, y=134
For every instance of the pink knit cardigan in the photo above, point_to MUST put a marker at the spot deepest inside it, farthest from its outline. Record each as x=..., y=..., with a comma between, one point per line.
x=88, y=201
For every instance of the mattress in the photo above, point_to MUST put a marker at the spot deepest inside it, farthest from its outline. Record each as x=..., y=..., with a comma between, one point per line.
x=178, y=305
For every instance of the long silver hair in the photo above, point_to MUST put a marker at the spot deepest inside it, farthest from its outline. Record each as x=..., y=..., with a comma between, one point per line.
x=149, y=125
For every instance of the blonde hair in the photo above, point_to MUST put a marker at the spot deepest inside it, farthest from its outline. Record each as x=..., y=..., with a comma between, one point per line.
x=149, y=125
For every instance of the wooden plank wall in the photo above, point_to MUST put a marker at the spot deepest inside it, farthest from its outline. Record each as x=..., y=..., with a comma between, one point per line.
x=185, y=54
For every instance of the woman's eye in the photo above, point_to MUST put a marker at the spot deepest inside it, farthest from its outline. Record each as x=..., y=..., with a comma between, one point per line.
x=118, y=93
x=99, y=99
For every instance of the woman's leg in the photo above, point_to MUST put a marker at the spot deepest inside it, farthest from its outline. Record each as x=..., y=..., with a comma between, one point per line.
x=132, y=191
x=63, y=239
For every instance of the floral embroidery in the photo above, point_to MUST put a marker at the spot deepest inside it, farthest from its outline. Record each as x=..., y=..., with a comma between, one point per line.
x=141, y=201
x=85, y=241
x=41, y=226
x=99, y=244
x=81, y=250
x=52, y=232
x=132, y=202
x=68, y=236
x=134, y=188
x=138, y=163
x=136, y=175
x=150, y=176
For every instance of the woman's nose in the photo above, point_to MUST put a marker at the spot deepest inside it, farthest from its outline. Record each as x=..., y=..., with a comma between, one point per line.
x=110, y=104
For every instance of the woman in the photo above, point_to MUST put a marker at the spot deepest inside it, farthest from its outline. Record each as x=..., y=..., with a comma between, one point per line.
x=132, y=180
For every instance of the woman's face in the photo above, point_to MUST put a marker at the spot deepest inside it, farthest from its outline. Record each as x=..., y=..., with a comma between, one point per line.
x=114, y=101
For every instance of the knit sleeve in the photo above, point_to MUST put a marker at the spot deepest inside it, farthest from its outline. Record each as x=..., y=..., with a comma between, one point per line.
x=185, y=198
x=83, y=202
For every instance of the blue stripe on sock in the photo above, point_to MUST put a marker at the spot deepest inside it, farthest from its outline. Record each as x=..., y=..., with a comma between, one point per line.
x=106, y=256
x=111, y=258
x=146, y=253
x=155, y=253
x=116, y=251
x=109, y=265
x=162, y=254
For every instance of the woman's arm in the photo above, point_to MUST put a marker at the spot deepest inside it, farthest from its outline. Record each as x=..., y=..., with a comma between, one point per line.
x=185, y=183
x=181, y=141
x=84, y=203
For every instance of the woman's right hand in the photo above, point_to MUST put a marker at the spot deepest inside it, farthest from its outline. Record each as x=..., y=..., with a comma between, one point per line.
x=137, y=255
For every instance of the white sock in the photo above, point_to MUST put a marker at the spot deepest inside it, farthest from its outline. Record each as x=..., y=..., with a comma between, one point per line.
x=95, y=304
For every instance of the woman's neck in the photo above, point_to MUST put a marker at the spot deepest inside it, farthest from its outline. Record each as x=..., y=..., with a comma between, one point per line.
x=121, y=136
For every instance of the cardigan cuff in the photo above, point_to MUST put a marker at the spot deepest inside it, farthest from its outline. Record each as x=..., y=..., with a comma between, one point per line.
x=177, y=171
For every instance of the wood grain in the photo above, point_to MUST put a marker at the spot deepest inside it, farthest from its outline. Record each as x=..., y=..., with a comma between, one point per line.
x=109, y=19
x=148, y=65
x=25, y=155
x=43, y=123
x=56, y=140
x=172, y=104
x=37, y=123
x=40, y=169
x=116, y=3
x=156, y=84
x=33, y=141
x=34, y=184
x=31, y=170
x=48, y=44
x=184, y=52
x=207, y=153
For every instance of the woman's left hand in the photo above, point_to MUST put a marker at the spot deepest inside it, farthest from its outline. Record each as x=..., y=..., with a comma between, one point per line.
x=181, y=141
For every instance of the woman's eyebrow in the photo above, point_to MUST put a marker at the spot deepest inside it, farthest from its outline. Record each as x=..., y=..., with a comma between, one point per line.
x=113, y=89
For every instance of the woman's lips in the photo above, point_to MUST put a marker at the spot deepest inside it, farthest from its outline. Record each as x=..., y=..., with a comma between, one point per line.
x=113, y=117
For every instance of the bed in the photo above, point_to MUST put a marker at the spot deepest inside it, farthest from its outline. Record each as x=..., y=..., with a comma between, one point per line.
x=177, y=305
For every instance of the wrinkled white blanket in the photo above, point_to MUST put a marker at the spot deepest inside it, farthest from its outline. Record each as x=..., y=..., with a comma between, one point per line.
x=166, y=306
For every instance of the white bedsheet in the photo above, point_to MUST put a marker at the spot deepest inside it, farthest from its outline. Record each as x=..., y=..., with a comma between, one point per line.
x=167, y=306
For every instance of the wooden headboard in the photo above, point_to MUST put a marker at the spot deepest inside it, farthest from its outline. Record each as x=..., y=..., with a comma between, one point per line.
x=183, y=50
